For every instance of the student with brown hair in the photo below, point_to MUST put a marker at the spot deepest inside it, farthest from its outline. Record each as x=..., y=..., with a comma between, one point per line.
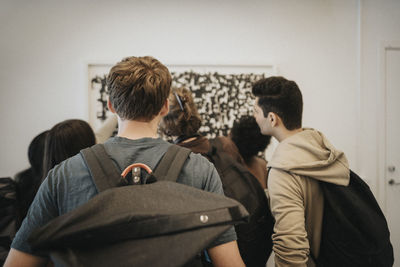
x=139, y=89
x=183, y=123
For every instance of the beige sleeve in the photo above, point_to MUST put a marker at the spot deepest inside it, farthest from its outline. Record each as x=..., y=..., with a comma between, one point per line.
x=290, y=242
x=107, y=129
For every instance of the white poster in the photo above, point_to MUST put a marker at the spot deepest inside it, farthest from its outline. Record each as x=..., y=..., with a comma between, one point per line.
x=222, y=93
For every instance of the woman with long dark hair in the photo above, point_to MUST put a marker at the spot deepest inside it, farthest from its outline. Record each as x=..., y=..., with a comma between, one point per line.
x=65, y=140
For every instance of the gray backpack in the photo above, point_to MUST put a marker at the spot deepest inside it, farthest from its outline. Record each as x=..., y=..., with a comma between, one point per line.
x=156, y=223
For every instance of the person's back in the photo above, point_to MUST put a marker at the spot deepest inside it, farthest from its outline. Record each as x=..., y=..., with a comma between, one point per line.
x=303, y=158
x=183, y=123
x=139, y=88
x=16, y=195
x=247, y=137
x=258, y=167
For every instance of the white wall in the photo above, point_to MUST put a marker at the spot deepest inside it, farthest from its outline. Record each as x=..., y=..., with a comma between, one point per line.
x=45, y=47
x=380, y=26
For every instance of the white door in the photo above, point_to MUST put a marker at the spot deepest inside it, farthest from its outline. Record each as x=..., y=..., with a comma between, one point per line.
x=392, y=159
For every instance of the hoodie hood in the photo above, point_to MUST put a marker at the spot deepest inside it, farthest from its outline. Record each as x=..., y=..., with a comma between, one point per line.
x=309, y=153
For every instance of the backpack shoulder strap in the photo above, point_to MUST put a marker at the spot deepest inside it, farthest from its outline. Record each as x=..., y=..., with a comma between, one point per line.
x=102, y=169
x=171, y=164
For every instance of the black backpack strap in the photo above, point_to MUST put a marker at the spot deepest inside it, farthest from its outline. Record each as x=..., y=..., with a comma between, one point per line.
x=171, y=164
x=102, y=169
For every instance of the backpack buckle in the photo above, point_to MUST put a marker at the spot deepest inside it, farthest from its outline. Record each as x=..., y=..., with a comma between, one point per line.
x=136, y=175
x=135, y=170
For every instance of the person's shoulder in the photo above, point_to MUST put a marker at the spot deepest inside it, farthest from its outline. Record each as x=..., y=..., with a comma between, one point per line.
x=116, y=145
x=260, y=161
x=282, y=178
x=198, y=172
x=71, y=182
x=70, y=169
x=199, y=159
x=224, y=140
x=73, y=162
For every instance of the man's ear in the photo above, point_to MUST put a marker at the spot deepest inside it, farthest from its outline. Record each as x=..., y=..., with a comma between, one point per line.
x=273, y=119
x=110, y=107
x=165, y=108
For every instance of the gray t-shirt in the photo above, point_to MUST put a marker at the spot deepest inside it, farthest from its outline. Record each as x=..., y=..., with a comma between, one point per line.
x=69, y=184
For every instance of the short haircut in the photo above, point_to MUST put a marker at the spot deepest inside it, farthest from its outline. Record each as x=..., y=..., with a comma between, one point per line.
x=139, y=87
x=281, y=96
x=248, y=138
x=65, y=140
x=183, y=117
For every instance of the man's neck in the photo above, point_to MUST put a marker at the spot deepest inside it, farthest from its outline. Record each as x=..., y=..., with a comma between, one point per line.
x=284, y=133
x=138, y=129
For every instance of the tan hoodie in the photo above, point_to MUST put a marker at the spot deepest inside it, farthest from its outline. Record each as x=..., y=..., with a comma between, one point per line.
x=296, y=200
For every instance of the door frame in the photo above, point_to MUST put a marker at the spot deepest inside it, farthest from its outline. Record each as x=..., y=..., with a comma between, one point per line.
x=381, y=122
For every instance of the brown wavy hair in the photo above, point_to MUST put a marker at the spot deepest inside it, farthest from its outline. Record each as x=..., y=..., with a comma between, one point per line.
x=139, y=87
x=183, y=117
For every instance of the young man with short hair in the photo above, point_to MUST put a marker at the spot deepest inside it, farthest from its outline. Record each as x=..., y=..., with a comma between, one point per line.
x=303, y=158
x=139, y=89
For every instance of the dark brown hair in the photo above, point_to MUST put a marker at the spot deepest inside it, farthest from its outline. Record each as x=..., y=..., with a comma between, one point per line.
x=65, y=140
x=281, y=96
x=138, y=86
x=248, y=138
x=183, y=118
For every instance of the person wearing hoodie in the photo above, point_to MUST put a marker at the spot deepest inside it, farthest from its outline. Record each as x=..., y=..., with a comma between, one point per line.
x=303, y=158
